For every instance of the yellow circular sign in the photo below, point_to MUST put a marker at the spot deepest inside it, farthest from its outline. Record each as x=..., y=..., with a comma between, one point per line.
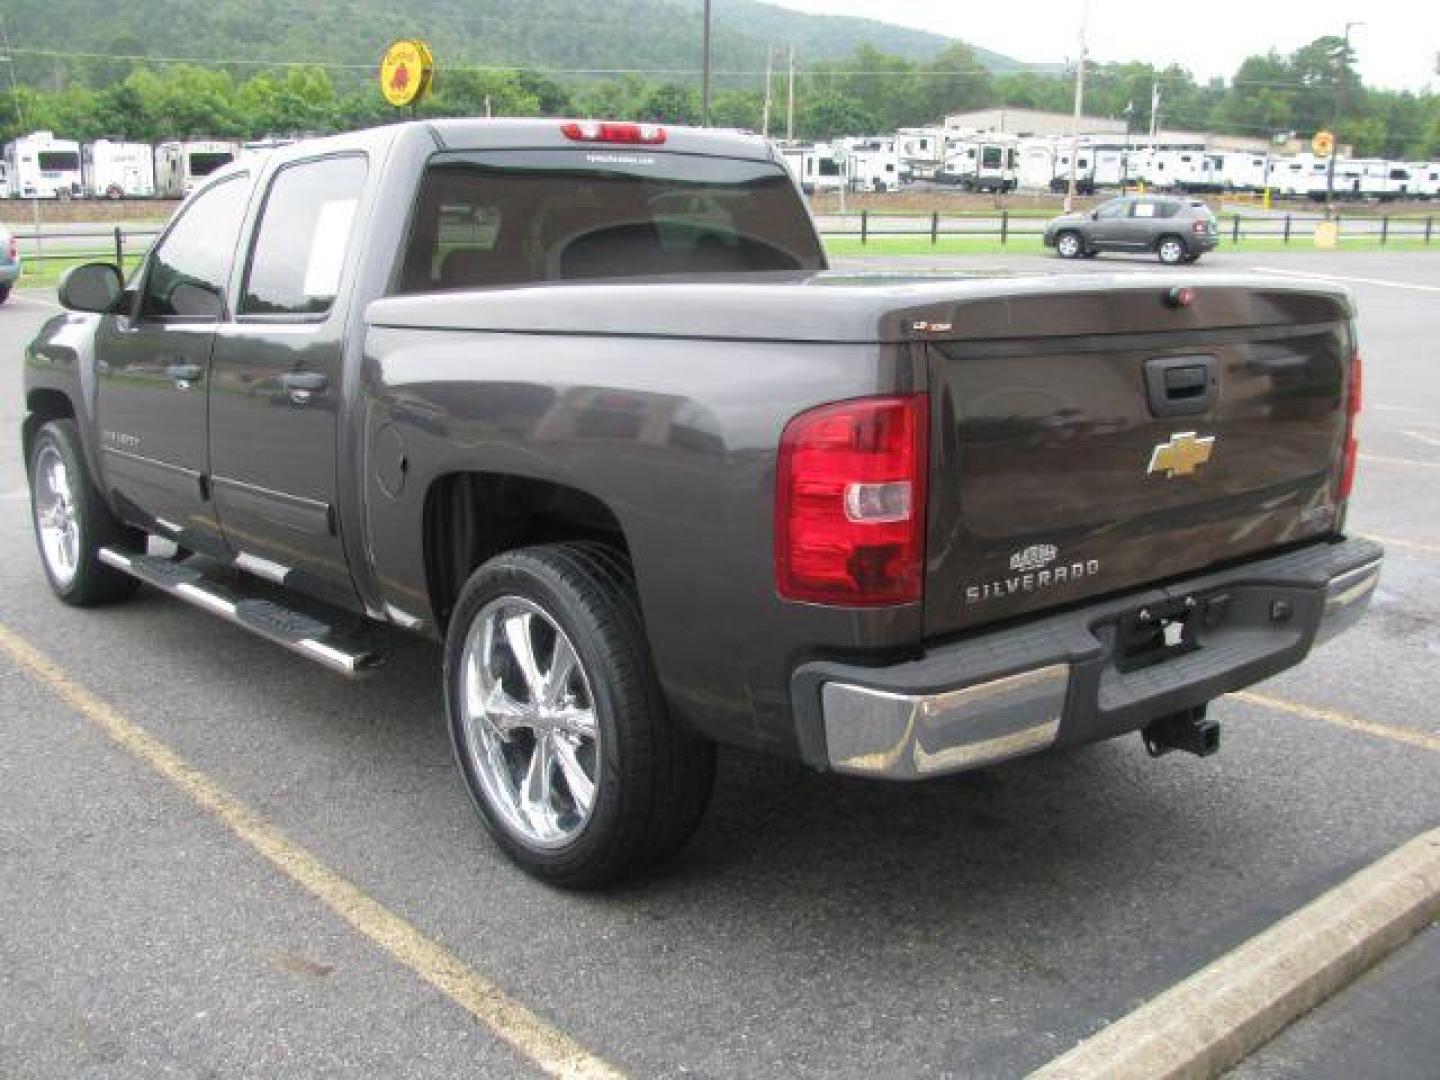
x=405, y=72
x=1323, y=144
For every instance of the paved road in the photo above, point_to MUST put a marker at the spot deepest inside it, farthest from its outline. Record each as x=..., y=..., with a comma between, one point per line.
x=973, y=927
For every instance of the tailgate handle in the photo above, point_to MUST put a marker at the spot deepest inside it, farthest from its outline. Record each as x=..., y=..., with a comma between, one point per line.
x=1180, y=385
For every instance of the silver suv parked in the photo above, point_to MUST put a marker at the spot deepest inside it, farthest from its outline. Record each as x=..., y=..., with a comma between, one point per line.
x=1175, y=228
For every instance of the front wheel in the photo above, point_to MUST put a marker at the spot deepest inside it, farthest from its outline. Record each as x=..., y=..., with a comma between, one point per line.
x=1069, y=245
x=557, y=719
x=72, y=523
x=1171, y=250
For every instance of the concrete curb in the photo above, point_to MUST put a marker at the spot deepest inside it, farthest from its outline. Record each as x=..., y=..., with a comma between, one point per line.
x=1225, y=1011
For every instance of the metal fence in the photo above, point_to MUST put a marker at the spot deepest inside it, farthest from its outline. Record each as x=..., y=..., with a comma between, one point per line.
x=120, y=243
x=1004, y=226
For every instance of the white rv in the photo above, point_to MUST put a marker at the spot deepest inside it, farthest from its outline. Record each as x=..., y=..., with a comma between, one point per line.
x=43, y=167
x=1302, y=176
x=980, y=164
x=1425, y=176
x=921, y=152
x=1178, y=168
x=178, y=165
x=1035, y=167
x=1112, y=166
x=817, y=167
x=118, y=170
x=1238, y=170
x=872, y=164
x=1084, y=168
x=1395, y=181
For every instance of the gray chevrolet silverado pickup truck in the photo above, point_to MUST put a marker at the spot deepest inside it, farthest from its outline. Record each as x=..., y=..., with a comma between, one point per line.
x=583, y=402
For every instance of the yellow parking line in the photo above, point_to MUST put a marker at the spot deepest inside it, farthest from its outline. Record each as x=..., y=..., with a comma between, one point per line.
x=545, y=1045
x=1366, y=727
x=1404, y=545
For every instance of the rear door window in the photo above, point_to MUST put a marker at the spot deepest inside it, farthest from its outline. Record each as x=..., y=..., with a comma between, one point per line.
x=523, y=217
x=303, y=236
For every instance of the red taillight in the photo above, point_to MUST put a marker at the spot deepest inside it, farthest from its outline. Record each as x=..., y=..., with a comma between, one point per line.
x=1353, y=394
x=850, y=502
x=14, y=246
x=606, y=131
x=1200, y=226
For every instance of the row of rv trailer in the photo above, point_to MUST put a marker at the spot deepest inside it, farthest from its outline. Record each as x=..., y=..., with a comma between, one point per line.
x=40, y=166
x=987, y=162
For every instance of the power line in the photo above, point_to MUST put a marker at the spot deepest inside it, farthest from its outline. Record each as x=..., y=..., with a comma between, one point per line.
x=816, y=71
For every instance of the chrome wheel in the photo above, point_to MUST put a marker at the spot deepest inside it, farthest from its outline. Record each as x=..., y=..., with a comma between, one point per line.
x=56, y=516
x=1171, y=252
x=530, y=731
x=1068, y=245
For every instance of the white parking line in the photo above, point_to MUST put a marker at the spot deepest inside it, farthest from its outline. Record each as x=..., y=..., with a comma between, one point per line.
x=1381, y=459
x=21, y=298
x=1348, y=280
x=1395, y=408
x=1428, y=440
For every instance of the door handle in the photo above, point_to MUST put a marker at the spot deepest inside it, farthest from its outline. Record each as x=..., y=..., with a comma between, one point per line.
x=303, y=385
x=1181, y=385
x=184, y=374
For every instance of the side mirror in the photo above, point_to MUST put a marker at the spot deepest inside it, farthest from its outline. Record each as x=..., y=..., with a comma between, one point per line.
x=92, y=287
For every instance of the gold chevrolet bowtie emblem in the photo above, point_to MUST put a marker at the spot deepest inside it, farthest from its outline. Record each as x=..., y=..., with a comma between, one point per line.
x=1182, y=455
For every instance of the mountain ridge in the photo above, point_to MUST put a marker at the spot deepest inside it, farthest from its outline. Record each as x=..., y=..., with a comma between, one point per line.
x=651, y=38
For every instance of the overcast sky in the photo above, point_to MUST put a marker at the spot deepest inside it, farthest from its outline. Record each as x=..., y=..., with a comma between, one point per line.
x=1397, y=47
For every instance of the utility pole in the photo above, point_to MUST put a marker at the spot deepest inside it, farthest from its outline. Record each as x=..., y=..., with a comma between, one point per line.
x=1154, y=111
x=705, y=71
x=765, y=114
x=1340, y=68
x=790, y=102
x=1079, y=106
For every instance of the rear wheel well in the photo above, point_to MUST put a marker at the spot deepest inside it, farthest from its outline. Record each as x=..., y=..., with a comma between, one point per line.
x=472, y=517
x=42, y=406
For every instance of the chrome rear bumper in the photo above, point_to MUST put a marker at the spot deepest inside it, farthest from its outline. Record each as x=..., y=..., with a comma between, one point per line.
x=1023, y=690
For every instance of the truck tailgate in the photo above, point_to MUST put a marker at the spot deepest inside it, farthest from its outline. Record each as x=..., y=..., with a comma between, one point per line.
x=1087, y=443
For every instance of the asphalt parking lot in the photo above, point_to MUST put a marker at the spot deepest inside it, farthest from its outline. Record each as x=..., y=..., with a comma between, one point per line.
x=972, y=927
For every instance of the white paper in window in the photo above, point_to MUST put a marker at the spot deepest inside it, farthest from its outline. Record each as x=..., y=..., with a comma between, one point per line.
x=327, y=249
x=1144, y=209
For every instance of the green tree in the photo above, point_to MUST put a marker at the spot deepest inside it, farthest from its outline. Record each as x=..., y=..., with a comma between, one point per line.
x=831, y=115
x=670, y=103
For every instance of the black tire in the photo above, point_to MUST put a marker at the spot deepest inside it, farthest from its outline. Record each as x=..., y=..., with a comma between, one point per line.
x=1069, y=244
x=4, y=292
x=1170, y=250
x=1192, y=258
x=653, y=780
x=93, y=583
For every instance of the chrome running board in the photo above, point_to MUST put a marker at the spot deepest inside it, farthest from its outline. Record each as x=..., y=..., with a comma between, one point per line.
x=311, y=638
